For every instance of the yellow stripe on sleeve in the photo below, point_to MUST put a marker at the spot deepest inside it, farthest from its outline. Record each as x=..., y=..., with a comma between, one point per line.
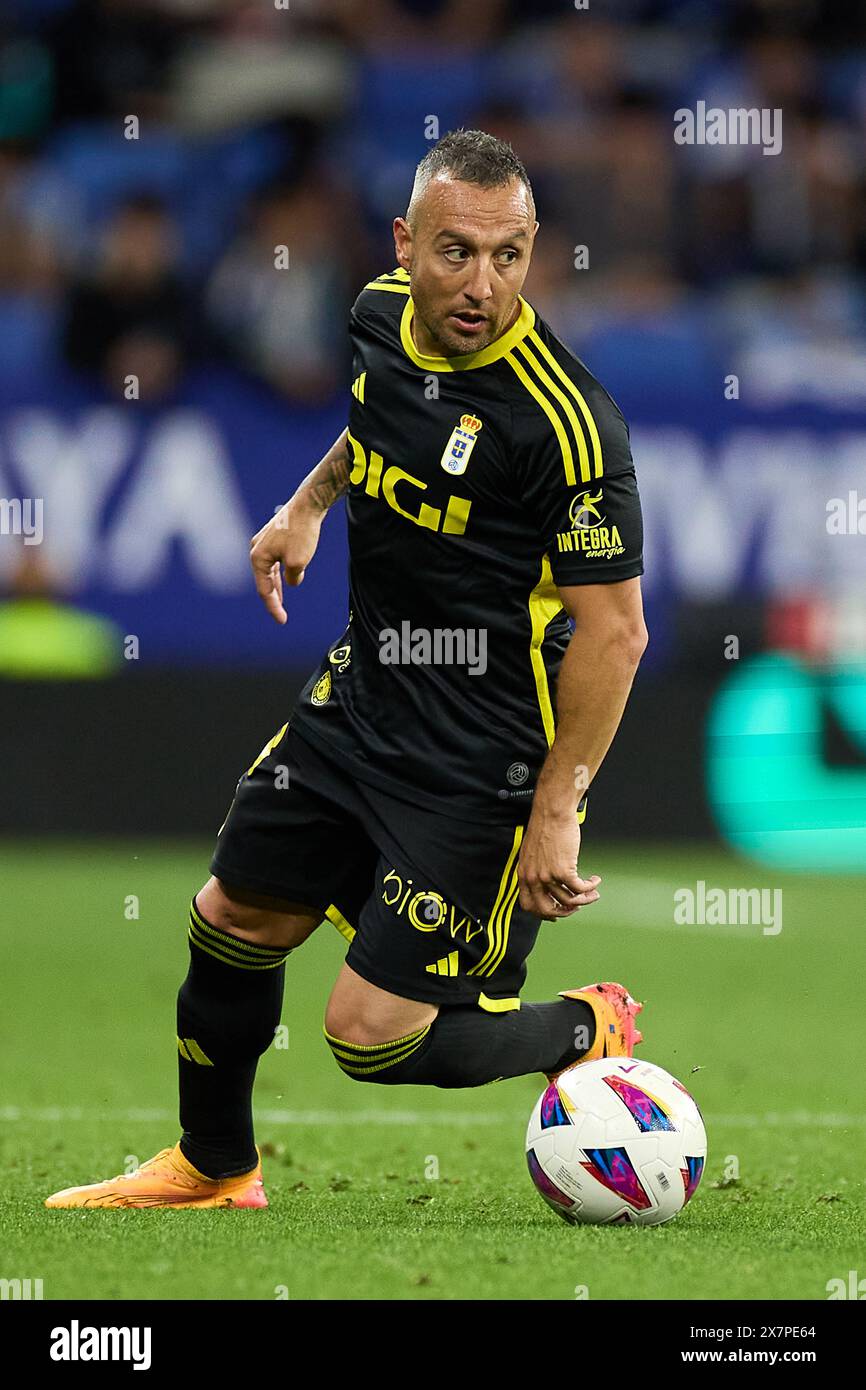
x=549, y=410
x=565, y=403
x=598, y=461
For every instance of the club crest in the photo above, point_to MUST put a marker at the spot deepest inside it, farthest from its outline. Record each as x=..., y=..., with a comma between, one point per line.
x=460, y=445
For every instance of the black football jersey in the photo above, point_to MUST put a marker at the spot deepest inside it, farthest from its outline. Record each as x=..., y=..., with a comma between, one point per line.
x=480, y=483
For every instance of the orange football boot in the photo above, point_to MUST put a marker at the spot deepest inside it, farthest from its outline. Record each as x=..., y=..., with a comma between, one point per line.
x=615, y=1013
x=168, y=1180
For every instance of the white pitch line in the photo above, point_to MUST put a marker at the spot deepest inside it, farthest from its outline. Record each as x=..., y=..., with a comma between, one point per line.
x=55, y=1114
x=10, y=1114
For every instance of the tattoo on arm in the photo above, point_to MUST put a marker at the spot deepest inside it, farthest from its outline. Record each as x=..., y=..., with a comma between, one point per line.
x=330, y=478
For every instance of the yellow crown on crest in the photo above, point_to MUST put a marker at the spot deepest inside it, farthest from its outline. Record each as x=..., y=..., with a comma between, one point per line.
x=471, y=423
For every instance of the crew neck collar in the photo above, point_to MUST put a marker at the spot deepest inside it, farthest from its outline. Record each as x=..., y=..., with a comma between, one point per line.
x=523, y=324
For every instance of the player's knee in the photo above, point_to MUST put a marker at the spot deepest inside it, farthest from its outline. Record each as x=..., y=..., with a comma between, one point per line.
x=222, y=909
x=388, y=1064
x=345, y=1037
x=363, y=1054
x=275, y=925
x=348, y=1024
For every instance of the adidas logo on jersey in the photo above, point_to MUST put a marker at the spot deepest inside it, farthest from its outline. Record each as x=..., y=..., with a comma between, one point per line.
x=358, y=386
x=448, y=965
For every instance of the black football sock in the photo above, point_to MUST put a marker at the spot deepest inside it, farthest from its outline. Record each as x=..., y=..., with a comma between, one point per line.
x=227, y=1010
x=464, y=1046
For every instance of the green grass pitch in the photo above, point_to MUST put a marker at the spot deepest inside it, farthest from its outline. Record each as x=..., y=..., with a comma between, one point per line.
x=774, y=1024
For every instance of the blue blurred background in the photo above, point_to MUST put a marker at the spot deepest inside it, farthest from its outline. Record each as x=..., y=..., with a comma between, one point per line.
x=155, y=153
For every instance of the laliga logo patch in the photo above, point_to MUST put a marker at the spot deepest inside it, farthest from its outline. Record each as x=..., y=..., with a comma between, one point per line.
x=461, y=444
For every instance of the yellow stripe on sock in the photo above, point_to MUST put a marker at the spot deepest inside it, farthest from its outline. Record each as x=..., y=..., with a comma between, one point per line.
x=228, y=956
x=246, y=947
x=353, y=1070
x=376, y=1047
x=196, y=1054
x=372, y=1059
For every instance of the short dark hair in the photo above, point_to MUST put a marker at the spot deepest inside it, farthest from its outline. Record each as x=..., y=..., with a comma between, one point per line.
x=472, y=156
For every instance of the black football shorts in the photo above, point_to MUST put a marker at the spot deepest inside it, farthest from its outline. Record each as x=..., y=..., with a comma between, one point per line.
x=428, y=904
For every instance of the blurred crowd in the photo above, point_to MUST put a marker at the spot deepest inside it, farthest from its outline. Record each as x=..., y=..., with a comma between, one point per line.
x=186, y=181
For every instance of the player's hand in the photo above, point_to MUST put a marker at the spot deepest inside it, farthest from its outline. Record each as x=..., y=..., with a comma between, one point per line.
x=284, y=547
x=550, y=885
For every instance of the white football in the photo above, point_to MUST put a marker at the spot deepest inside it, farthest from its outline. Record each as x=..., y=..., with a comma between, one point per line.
x=616, y=1141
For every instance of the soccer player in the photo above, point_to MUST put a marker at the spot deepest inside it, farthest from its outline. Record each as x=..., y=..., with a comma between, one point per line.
x=427, y=794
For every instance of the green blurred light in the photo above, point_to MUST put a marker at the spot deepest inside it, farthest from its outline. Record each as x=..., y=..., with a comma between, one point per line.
x=44, y=640
x=772, y=794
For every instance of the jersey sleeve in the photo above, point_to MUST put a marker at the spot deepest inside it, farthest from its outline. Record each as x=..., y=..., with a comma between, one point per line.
x=590, y=527
x=376, y=313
